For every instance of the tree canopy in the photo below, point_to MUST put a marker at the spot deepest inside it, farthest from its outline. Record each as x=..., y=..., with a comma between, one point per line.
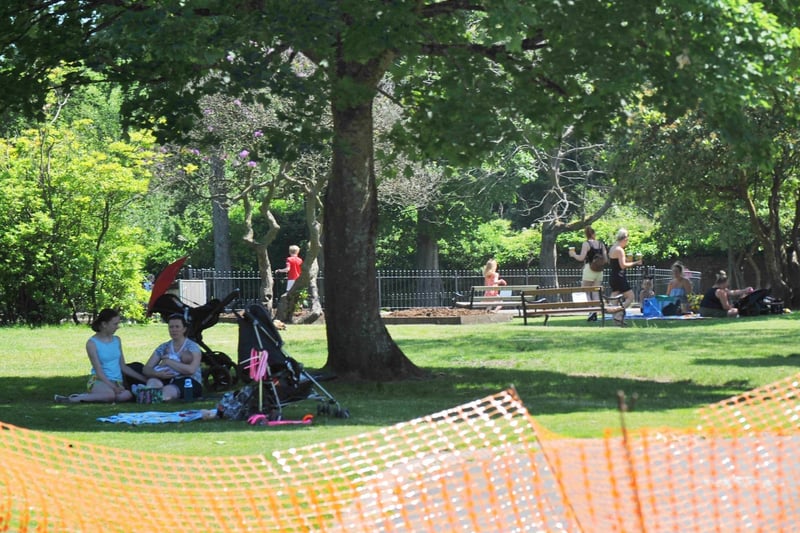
x=65, y=191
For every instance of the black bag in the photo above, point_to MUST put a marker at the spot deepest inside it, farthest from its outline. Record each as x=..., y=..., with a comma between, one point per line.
x=671, y=309
x=599, y=258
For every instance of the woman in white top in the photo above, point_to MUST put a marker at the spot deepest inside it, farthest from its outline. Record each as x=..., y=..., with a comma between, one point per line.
x=589, y=249
x=175, y=361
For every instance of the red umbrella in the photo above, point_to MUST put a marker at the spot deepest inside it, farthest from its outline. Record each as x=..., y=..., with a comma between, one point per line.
x=164, y=281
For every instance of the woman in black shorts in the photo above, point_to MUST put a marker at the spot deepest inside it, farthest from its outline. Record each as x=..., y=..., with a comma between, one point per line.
x=617, y=279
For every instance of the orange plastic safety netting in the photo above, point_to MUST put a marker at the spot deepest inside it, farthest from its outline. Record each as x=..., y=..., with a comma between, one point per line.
x=484, y=466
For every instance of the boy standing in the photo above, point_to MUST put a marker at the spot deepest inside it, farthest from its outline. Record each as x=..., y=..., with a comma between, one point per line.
x=293, y=266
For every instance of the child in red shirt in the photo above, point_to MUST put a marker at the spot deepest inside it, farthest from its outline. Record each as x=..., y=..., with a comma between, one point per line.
x=293, y=266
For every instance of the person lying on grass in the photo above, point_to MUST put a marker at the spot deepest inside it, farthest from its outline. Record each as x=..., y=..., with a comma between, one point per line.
x=108, y=364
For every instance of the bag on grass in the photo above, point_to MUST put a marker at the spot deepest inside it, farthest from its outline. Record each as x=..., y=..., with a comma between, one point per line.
x=671, y=309
x=651, y=308
x=236, y=406
x=149, y=395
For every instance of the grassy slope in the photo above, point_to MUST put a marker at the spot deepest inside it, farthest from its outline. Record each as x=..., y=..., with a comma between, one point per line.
x=568, y=374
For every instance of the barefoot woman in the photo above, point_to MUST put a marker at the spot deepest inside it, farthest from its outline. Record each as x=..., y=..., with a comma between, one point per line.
x=618, y=280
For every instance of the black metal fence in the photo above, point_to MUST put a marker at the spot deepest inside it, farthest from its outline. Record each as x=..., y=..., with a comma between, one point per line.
x=403, y=289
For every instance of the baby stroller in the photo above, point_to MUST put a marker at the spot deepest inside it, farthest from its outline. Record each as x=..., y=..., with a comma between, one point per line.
x=756, y=303
x=219, y=370
x=263, y=361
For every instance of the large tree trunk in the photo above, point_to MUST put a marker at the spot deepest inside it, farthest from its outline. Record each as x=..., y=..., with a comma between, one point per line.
x=547, y=256
x=221, y=225
x=429, y=288
x=359, y=345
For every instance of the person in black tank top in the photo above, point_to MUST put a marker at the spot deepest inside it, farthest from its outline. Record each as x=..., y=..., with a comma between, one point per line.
x=716, y=301
x=617, y=279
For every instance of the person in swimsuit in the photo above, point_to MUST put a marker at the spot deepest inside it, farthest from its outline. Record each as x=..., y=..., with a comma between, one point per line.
x=679, y=287
x=617, y=279
x=108, y=364
x=491, y=278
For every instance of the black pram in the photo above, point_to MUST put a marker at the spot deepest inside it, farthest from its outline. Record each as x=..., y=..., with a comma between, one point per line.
x=759, y=302
x=278, y=378
x=219, y=372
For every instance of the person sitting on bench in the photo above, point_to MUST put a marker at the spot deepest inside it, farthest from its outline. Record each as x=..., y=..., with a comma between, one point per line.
x=491, y=277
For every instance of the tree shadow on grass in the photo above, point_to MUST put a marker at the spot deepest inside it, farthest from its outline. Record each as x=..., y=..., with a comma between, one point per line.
x=29, y=403
x=792, y=359
x=463, y=368
x=543, y=393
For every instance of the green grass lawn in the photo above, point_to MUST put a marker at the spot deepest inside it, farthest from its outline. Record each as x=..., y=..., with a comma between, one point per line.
x=567, y=373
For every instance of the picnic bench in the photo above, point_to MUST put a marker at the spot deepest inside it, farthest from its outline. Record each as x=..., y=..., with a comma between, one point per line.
x=553, y=301
x=508, y=296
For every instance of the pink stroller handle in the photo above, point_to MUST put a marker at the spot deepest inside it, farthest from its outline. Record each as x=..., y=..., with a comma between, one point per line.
x=258, y=364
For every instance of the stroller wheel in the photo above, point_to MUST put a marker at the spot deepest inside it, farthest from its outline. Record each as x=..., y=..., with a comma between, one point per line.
x=221, y=378
x=220, y=372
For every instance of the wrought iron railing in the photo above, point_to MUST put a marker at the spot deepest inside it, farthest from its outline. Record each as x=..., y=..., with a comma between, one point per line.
x=403, y=289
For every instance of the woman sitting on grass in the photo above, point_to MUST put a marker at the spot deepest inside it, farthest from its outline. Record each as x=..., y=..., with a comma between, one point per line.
x=717, y=300
x=174, y=362
x=679, y=287
x=108, y=364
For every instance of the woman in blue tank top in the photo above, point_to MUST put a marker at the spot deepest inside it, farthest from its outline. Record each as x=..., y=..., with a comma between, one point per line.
x=108, y=364
x=679, y=287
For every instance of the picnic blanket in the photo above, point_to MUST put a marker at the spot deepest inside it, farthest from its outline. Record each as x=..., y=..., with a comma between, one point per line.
x=157, y=417
x=639, y=316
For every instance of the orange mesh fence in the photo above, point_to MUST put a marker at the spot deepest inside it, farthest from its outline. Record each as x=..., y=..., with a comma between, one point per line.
x=772, y=408
x=484, y=466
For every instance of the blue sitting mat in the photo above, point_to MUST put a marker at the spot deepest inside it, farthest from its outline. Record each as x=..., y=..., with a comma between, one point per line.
x=153, y=417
